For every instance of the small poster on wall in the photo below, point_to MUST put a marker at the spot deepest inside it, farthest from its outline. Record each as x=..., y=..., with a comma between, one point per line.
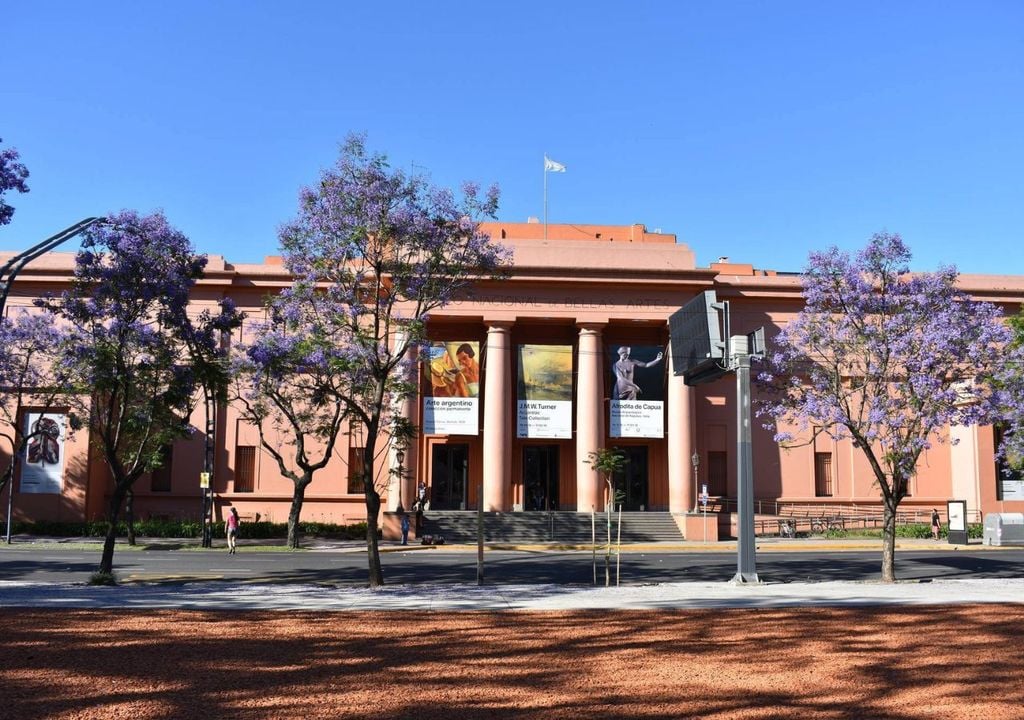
x=544, y=392
x=451, y=403
x=42, y=469
x=638, y=391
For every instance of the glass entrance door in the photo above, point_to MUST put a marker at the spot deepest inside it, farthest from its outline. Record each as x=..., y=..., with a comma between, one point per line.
x=631, y=482
x=449, y=477
x=540, y=477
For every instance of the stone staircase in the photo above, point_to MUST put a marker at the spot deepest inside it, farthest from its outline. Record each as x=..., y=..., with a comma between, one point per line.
x=459, y=526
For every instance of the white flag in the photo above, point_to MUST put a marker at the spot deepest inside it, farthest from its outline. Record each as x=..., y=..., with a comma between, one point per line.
x=552, y=166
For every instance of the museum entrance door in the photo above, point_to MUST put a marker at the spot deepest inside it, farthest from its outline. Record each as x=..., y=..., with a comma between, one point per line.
x=449, y=474
x=540, y=477
x=631, y=482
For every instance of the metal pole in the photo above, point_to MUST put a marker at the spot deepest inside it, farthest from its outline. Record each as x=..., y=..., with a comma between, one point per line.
x=545, y=196
x=480, y=533
x=746, y=565
x=10, y=503
x=13, y=266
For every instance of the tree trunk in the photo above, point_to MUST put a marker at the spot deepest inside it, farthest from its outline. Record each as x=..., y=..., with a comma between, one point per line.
x=889, y=541
x=376, y=574
x=130, y=516
x=296, y=510
x=113, y=513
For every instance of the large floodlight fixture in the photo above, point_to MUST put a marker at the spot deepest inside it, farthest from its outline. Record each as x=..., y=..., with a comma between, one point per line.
x=699, y=331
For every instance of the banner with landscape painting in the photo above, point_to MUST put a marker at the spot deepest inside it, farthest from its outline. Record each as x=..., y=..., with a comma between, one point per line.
x=544, y=391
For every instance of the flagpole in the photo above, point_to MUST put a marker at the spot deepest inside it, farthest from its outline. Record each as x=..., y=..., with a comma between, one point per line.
x=545, y=196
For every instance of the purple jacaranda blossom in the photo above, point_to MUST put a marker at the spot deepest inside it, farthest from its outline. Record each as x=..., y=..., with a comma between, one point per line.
x=373, y=251
x=134, y=356
x=13, y=175
x=32, y=374
x=890, y=360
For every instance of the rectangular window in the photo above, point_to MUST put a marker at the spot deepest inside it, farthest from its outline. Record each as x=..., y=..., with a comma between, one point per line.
x=355, y=470
x=160, y=479
x=1009, y=482
x=823, y=474
x=718, y=468
x=245, y=468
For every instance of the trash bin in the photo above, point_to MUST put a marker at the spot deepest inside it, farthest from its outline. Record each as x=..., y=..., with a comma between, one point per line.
x=1003, y=529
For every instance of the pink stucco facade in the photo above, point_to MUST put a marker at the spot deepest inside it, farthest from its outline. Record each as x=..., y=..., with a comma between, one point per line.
x=581, y=296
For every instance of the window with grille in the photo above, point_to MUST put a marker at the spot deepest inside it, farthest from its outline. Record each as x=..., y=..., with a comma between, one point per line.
x=823, y=474
x=718, y=468
x=355, y=470
x=160, y=479
x=245, y=468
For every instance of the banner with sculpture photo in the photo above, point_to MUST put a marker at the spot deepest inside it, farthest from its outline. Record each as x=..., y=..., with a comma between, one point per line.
x=42, y=471
x=637, y=375
x=544, y=391
x=451, y=402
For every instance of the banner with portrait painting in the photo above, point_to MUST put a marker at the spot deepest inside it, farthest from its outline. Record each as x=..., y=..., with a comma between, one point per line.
x=544, y=391
x=637, y=405
x=451, y=401
x=42, y=469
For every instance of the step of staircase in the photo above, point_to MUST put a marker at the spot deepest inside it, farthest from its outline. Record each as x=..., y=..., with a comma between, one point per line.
x=460, y=526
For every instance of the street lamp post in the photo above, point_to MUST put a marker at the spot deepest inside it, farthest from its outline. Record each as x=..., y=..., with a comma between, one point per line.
x=8, y=272
x=13, y=266
x=400, y=459
x=695, y=459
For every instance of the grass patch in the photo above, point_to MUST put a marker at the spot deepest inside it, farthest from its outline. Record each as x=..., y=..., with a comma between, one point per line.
x=102, y=578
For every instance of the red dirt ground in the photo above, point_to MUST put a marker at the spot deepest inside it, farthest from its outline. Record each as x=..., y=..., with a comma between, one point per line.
x=921, y=662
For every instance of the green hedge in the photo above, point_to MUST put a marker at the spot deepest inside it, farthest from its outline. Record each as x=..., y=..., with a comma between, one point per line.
x=913, y=530
x=188, y=529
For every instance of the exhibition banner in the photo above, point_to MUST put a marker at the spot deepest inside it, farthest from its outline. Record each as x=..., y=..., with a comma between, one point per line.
x=43, y=468
x=451, y=403
x=544, y=391
x=637, y=405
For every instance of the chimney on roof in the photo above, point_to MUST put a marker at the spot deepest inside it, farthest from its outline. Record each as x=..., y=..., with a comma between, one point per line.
x=532, y=220
x=723, y=259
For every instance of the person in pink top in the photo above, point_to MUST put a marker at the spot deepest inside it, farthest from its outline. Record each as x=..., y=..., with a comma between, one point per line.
x=232, y=525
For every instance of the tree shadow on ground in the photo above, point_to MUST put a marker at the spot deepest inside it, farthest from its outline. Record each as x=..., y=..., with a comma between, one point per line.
x=807, y=663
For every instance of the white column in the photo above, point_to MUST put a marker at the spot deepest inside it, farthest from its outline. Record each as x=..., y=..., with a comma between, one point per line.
x=589, y=417
x=404, y=491
x=497, y=426
x=965, y=483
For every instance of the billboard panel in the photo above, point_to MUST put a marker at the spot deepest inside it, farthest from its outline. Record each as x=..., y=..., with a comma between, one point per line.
x=637, y=405
x=451, y=403
x=43, y=468
x=544, y=391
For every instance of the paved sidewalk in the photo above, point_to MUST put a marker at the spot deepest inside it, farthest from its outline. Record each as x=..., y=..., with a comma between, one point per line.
x=455, y=597
x=764, y=544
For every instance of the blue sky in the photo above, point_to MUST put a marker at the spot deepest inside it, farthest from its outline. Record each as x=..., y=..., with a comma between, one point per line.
x=756, y=130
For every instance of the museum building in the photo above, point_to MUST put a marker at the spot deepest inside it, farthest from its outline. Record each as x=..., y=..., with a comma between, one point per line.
x=522, y=380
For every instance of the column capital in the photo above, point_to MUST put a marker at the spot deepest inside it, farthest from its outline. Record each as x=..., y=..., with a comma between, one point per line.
x=498, y=324
x=594, y=327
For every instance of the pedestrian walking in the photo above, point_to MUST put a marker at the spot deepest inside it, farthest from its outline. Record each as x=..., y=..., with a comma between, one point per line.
x=935, y=524
x=421, y=496
x=232, y=523
x=405, y=527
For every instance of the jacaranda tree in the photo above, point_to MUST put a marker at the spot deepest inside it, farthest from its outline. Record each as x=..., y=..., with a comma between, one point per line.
x=32, y=374
x=1012, y=449
x=134, y=356
x=889, y=360
x=372, y=251
x=288, y=383
x=13, y=175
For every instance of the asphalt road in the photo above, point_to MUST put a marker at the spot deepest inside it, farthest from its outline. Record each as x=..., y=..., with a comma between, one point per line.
x=51, y=565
